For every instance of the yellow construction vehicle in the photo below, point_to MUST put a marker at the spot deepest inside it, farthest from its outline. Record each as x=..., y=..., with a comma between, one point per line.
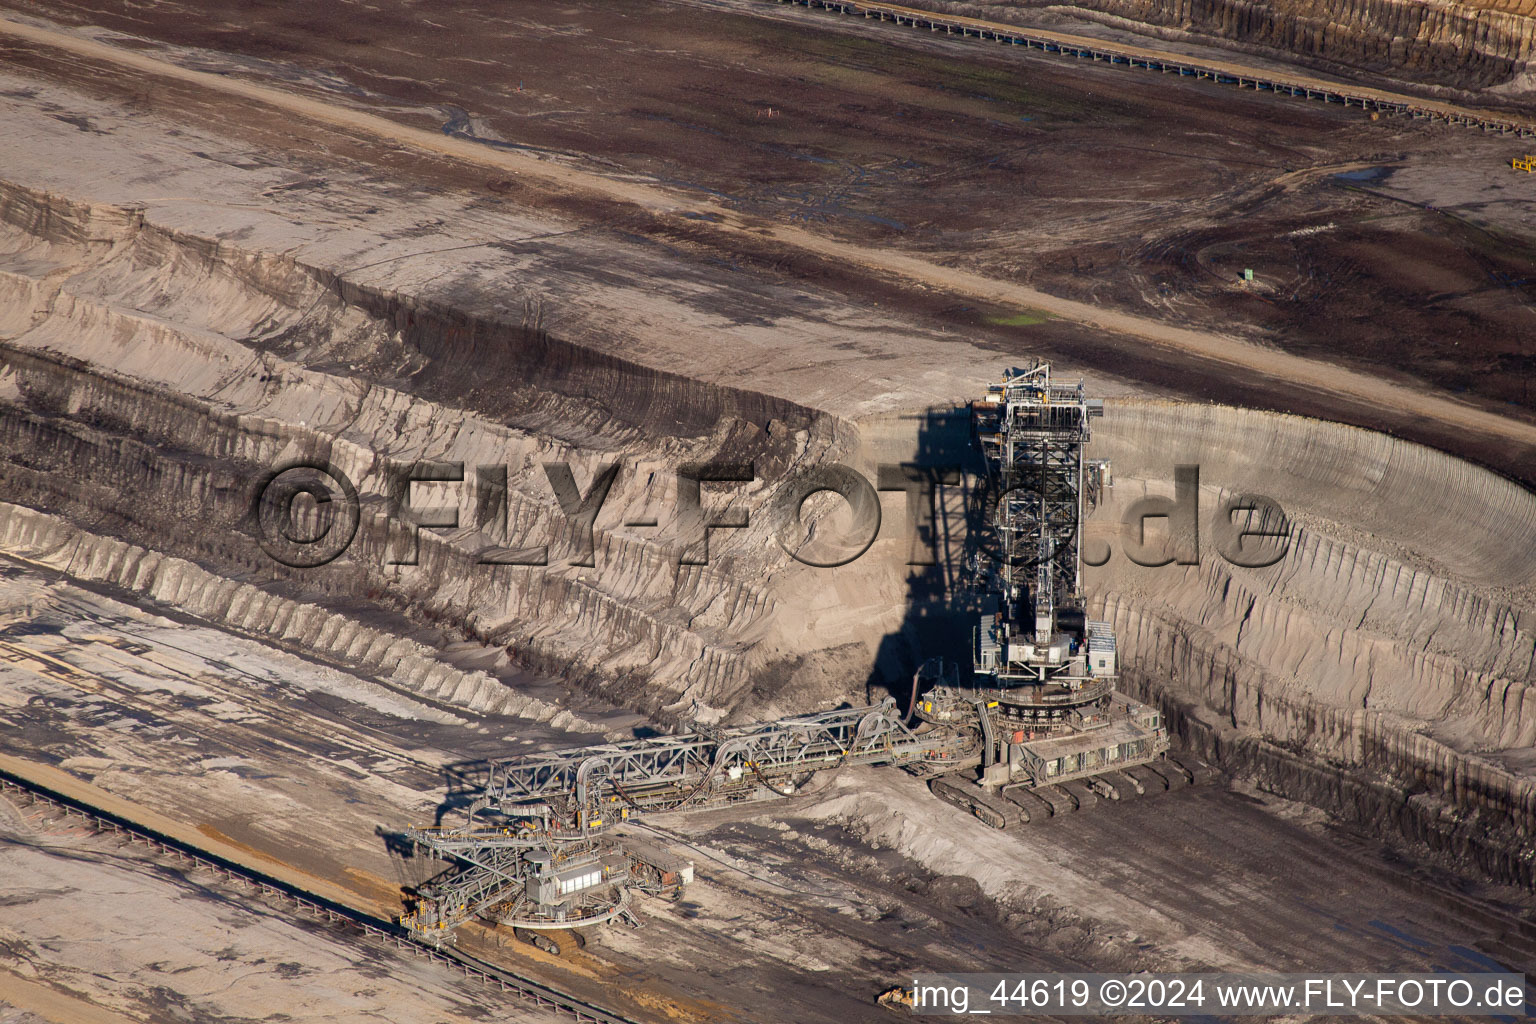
x=1525, y=163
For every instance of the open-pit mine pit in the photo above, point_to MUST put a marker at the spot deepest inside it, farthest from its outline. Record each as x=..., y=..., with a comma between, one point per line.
x=709, y=510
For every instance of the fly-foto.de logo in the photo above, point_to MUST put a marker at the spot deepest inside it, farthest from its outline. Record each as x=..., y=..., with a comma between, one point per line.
x=307, y=513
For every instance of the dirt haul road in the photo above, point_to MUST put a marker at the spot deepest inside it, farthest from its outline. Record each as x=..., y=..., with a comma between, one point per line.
x=1242, y=357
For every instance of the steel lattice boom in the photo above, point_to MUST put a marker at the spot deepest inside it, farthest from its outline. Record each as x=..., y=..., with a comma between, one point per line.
x=533, y=851
x=583, y=788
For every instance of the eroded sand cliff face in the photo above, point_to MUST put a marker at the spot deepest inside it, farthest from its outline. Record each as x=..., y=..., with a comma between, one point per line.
x=1461, y=45
x=149, y=377
x=1383, y=668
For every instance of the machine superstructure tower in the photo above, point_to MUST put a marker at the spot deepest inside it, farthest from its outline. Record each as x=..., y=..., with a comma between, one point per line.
x=1043, y=676
x=1031, y=433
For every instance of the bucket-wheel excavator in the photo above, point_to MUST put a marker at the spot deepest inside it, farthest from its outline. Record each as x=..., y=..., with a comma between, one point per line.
x=1038, y=729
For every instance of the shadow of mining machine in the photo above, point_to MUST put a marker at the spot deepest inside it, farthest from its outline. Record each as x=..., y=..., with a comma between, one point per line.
x=550, y=841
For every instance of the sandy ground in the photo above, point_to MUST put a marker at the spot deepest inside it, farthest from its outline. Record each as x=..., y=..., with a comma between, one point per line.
x=27, y=1002
x=269, y=721
x=94, y=933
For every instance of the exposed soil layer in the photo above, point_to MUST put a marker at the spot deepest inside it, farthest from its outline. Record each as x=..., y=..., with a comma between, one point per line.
x=1382, y=668
x=1129, y=190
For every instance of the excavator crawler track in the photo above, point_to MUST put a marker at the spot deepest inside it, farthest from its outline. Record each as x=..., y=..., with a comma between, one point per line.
x=1117, y=786
x=1200, y=773
x=1082, y=793
x=1021, y=804
x=988, y=808
x=1033, y=809
x=1172, y=775
x=1152, y=784
x=1060, y=800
